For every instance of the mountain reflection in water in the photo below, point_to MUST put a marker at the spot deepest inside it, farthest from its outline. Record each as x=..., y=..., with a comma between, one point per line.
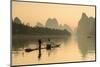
x=69, y=50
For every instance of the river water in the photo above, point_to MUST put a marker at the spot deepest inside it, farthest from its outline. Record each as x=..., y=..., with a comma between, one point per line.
x=68, y=51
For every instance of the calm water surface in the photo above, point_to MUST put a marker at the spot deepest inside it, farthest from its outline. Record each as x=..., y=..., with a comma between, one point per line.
x=70, y=50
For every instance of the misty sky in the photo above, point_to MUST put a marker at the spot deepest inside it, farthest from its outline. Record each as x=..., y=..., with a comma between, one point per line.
x=39, y=12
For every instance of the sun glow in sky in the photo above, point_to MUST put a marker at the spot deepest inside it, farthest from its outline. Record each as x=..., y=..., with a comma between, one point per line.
x=30, y=12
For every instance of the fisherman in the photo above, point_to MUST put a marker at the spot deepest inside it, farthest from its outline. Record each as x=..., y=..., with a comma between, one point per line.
x=39, y=55
x=48, y=46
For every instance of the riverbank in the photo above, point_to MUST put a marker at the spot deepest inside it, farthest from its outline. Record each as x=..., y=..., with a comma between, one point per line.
x=38, y=36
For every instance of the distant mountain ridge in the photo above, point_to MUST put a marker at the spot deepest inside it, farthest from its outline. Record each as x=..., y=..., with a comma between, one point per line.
x=86, y=25
x=52, y=23
x=19, y=28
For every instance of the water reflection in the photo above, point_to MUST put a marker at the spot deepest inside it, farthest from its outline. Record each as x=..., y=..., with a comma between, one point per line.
x=27, y=46
x=86, y=44
x=35, y=51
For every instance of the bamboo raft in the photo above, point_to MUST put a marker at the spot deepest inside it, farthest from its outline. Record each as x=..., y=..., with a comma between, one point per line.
x=47, y=48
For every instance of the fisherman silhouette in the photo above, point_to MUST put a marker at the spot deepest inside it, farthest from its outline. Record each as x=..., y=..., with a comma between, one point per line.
x=48, y=47
x=39, y=55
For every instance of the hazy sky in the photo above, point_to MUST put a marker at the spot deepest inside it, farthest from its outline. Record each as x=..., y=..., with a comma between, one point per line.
x=39, y=12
